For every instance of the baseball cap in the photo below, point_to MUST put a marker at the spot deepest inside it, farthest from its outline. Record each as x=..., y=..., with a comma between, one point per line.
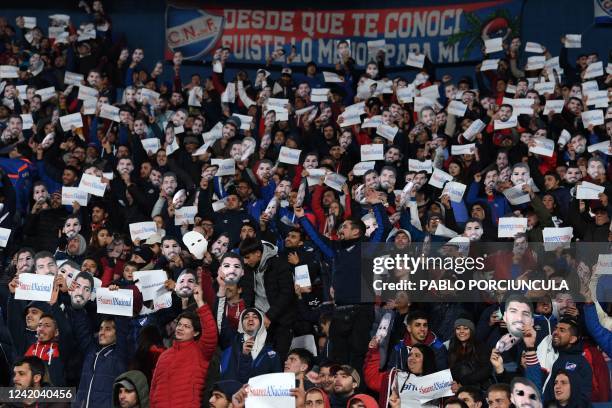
x=127, y=385
x=286, y=71
x=350, y=371
x=234, y=120
x=145, y=253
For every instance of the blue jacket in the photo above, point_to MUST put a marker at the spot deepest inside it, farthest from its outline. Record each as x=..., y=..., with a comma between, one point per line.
x=235, y=365
x=499, y=208
x=101, y=365
x=345, y=258
x=573, y=361
x=600, y=334
x=21, y=173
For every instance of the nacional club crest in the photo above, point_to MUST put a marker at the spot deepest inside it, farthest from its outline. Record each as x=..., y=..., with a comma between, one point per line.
x=191, y=31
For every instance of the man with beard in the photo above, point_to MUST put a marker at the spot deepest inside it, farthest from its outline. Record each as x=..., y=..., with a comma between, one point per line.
x=561, y=350
x=185, y=284
x=572, y=175
x=25, y=261
x=29, y=373
x=388, y=177
x=169, y=184
x=487, y=191
x=171, y=257
x=518, y=315
x=80, y=290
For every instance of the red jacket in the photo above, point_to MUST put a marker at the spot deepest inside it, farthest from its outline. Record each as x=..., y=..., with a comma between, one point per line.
x=601, y=377
x=180, y=374
x=375, y=379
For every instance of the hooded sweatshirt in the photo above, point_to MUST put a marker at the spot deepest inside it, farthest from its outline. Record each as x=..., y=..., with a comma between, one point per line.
x=235, y=365
x=261, y=300
x=139, y=381
x=326, y=403
x=368, y=401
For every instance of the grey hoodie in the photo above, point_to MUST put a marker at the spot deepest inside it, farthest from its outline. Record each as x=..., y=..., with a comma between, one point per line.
x=261, y=300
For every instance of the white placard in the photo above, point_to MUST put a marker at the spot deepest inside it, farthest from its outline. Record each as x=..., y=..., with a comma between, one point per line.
x=535, y=62
x=149, y=94
x=405, y=94
x=545, y=87
x=494, y=45
x=422, y=102
x=149, y=282
x=573, y=41
x=508, y=227
x=599, y=99
x=588, y=191
x=151, y=145
x=534, y=48
x=372, y=152
x=5, y=234
x=302, y=276
x=46, y=93
x=386, y=131
x=592, y=117
x=520, y=105
x=9, y=71
x=319, y=94
x=457, y=108
x=72, y=78
x=245, y=121
x=415, y=60
x=289, y=156
x=89, y=106
x=218, y=205
x=458, y=150
x=443, y=231
x=332, y=77
x=109, y=112
x=415, y=391
x=271, y=390
x=455, y=190
x=109, y=176
x=27, y=120
x=142, y=230
x=373, y=122
x=185, y=214
x=594, y=70
x=439, y=177
x=417, y=165
x=431, y=92
x=314, y=175
x=92, y=185
x=115, y=302
x=305, y=110
x=227, y=167
x=476, y=127
x=489, y=65
x=553, y=238
x=68, y=121
x=306, y=341
x=603, y=147
x=349, y=119
x=194, y=94
x=86, y=92
x=510, y=123
x=515, y=195
x=362, y=167
x=217, y=67
x=335, y=181
x=29, y=22
x=376, y=45
x=72, y=194
x=555, y=105
x=511, y=89
x=543, y=146
x=34, y=287
x=163, y=301
x=589, y=86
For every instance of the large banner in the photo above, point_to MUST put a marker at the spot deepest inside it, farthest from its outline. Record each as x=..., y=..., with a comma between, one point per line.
x=446, y=34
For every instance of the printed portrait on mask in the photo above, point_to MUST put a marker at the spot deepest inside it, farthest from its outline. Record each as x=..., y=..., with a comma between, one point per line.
x=81, y=290
x=231, y=269
x=518, y=316
x=72, y=227
x=220, y=246
x=185, y=284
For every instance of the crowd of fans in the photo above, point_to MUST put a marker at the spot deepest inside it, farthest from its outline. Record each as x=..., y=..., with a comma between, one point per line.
x=220, y=144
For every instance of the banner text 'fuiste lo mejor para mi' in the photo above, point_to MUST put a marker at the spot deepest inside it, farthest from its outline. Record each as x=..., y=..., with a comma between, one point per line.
x=446, y=34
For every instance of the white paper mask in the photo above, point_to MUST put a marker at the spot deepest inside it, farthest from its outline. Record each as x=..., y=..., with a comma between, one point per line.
x=179, y=198
x=195, y=243
x=185, y=284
